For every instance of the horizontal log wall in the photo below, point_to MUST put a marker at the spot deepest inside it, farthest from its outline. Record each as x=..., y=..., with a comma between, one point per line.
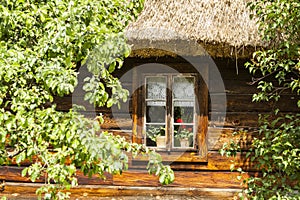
x=212, y=179
x=26, y=191
x=241, y=113
x=131, y=182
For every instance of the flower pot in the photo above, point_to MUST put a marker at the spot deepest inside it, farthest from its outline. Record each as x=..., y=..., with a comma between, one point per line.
x=184, y=142
x=161, y=141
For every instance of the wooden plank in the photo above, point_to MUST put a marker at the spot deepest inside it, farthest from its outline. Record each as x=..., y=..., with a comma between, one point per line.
x=234, y=119
x=202, y=136
x=234, y=103
x=202, y=113
x=188, y=161
x=237, y=86
x=20, y=191
x=243, y=103
x=201, y=179
x=136, y=109
x=237, y=120
x=121, y=121
x=170, y=115
x=26, y=191
x=178, y=160
x=218, y=136
x=13, y=173
x=216, y=119
x=136, y=178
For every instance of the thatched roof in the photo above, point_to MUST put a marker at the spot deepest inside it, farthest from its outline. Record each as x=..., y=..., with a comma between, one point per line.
x=222, y=27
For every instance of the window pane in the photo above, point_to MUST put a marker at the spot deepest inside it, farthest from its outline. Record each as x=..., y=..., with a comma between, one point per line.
x=155, y=113
x=183, y=88
x=183, y=114
x=155, y=135
x=183, y=136
x=156, y=88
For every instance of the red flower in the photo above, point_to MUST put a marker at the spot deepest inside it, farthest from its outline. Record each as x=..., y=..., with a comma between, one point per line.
x=179, y=120
x=190, y=129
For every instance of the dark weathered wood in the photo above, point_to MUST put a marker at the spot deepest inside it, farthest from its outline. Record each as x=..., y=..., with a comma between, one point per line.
x=231, y=119
x=136, y=109
x=237, y=86
x=13, y=173
x=169, y=119
x=235, y=103
x=234, y=119
x=202, y=112
x=244, y=103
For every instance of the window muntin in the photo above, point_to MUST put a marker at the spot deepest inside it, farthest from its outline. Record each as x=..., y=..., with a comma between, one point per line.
x=181, y=108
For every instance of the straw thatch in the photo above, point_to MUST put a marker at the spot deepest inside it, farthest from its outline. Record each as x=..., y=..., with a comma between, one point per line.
x=222, y=27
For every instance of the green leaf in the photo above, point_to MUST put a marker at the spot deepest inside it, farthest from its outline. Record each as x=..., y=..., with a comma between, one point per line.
x=24, y=171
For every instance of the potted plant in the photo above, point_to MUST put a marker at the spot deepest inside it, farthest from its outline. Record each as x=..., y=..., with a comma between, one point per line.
x=183, y=136
x=157, y=134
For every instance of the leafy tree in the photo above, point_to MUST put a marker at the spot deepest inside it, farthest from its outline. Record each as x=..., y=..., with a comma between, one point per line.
x=42, y=45
x=277, y=149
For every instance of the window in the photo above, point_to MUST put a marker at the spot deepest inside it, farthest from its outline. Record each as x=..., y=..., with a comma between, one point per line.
x=170, y=114
x=169, y=117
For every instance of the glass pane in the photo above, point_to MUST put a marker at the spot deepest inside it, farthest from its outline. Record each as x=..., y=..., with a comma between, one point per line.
x=156, y=87
x=183, y=136
x=183, y=88
x=183, y=114
x=155, y=135
x=155, y=114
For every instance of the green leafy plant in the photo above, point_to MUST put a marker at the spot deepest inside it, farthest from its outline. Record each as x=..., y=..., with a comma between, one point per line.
x=42, y=46
x=154, y=131
x=184, y=133
x=276, y=150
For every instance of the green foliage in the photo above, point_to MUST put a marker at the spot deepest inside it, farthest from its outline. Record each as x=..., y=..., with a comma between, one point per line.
x=42, y=45
x=184, y=133
x=279, y=24
x=276, y=151
x=155, y=131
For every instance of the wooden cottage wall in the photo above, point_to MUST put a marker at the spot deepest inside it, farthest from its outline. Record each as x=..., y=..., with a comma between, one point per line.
x=241, y=114
x=209, y=179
